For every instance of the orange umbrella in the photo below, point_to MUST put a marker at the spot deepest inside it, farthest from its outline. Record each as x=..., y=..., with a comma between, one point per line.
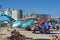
x=41, y=21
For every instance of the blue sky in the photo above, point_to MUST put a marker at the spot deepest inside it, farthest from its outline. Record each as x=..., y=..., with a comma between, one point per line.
x=37, y=6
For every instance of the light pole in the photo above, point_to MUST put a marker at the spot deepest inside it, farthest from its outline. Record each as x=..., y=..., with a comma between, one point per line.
x=0, y=7
x=0, y=12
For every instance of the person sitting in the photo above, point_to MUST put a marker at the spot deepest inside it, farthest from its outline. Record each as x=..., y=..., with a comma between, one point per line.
x=21, y=37
x=13, y=32
x=17, y=36
x=47, y=31
x=28, y=29
x=57, y=27
x=55, y=37
x=13, y=37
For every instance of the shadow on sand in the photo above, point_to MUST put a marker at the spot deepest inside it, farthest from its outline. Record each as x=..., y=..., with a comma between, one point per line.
x=27, y=38
x=2, y=34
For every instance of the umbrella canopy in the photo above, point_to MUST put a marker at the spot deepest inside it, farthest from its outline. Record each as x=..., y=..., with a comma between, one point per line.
x=27, y=23
x=17, y=23
x=43, y=24
x=4, y=17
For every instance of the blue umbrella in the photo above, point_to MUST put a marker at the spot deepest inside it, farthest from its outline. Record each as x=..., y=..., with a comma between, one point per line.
x=28, y=22
x=4, y=17
x=17, y=23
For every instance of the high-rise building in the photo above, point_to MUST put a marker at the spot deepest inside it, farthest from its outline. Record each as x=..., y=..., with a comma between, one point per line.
x=17, y=14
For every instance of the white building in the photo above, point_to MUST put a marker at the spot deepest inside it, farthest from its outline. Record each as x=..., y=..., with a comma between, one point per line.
x=31, y=15
x=39, y=16
x=17, y=14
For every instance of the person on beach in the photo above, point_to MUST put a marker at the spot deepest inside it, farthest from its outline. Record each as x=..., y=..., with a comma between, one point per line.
x=13, y=36
x=13, y=32
x=55, y=37
x=57, y=28
x=21, y=37
x=16, y=36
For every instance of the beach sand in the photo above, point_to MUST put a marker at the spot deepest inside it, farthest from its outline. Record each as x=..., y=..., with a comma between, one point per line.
x=4, y=33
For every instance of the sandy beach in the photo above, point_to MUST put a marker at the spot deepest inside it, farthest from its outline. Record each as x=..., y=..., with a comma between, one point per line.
x=4, y=33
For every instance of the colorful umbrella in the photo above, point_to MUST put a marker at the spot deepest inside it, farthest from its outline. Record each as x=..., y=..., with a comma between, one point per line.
x=27, y=23
x=17, y=23
x=43, y=23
